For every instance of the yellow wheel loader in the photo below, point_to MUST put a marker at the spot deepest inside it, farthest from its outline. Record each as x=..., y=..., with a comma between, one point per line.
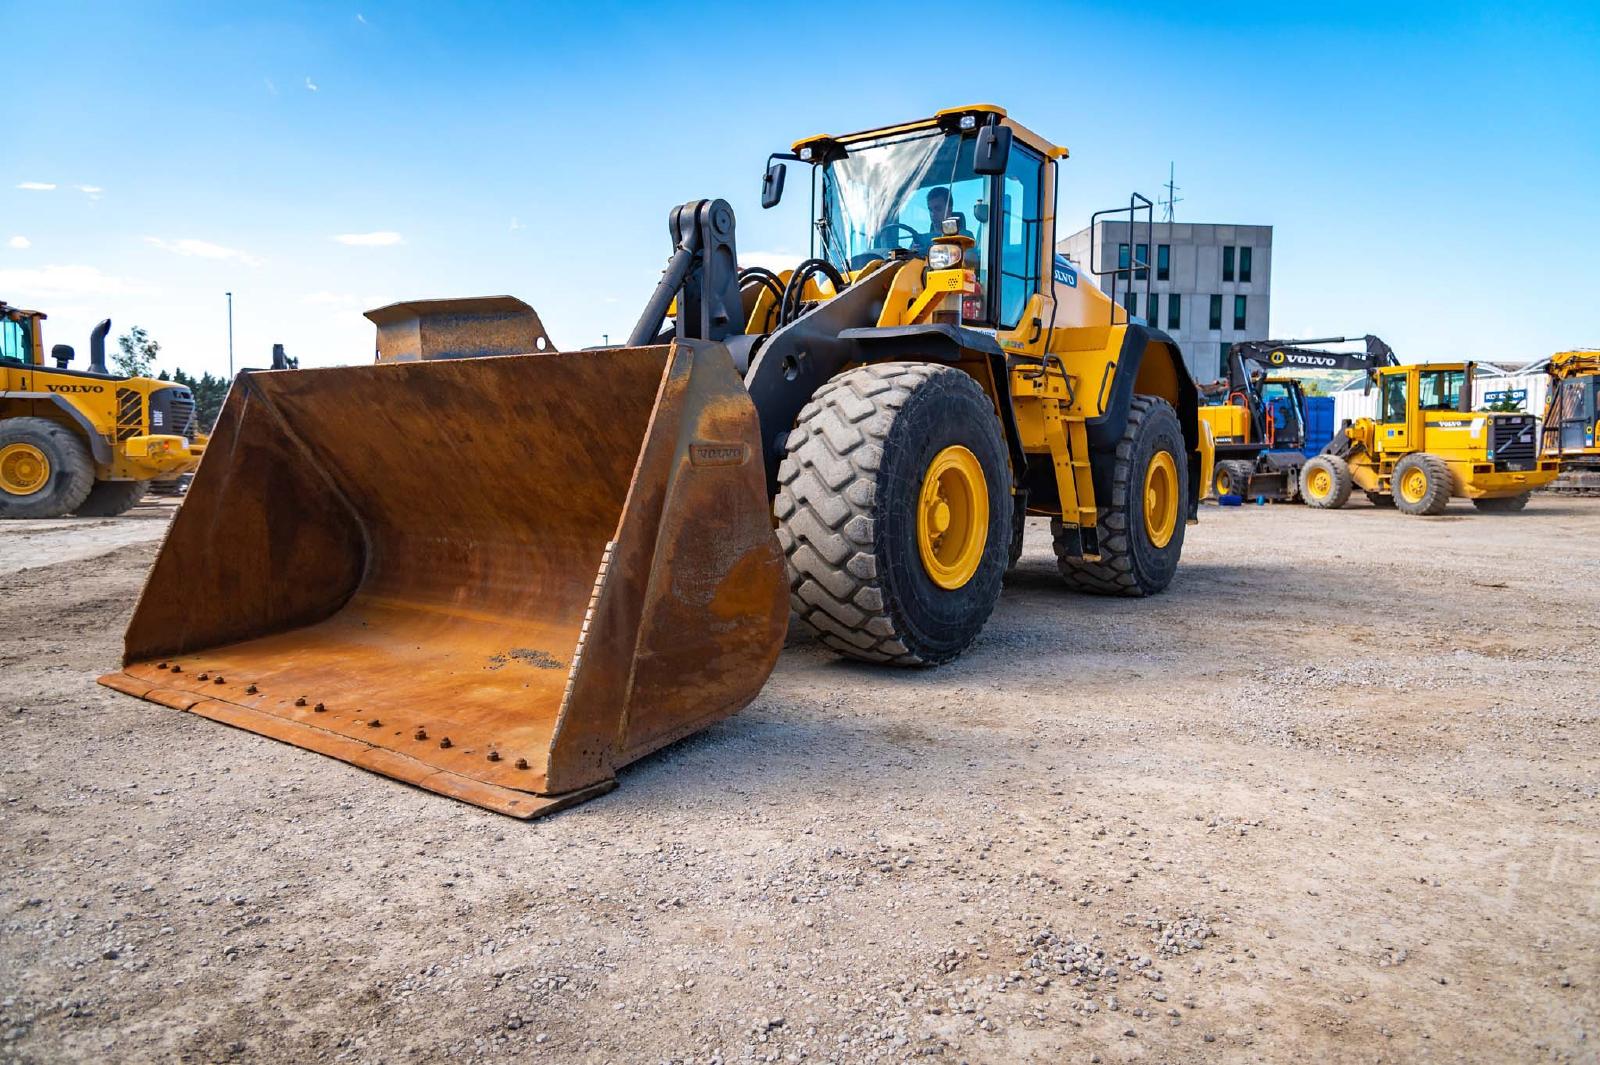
x=85, y=442
x=1571, y=433
x=500, y=571
x=1428, y=445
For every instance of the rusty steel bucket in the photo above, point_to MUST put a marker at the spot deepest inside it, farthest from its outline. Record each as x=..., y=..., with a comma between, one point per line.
x=498, y=578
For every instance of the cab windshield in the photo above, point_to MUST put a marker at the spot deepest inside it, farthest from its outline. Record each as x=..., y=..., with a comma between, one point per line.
x=896, y=194
x=1440, y=389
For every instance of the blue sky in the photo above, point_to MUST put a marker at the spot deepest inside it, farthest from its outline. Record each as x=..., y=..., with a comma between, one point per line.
x=1432, y=171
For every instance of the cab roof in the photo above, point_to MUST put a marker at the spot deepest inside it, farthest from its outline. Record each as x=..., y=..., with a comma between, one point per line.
x=949, y=119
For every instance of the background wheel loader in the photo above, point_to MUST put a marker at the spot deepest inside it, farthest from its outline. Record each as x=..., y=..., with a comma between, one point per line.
x=1571, y=432
x=1257, y=414
x=1427, y=445
x=83, y=442
x=501, y=571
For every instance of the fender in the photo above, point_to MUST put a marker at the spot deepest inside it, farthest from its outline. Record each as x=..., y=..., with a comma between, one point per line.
x=1105, y=430
x=99, y=447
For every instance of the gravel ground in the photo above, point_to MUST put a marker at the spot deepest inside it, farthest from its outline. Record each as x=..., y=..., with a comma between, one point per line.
x=1331, y=798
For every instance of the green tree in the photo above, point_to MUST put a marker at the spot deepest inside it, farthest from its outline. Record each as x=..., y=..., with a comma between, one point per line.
x=136, y=355
x=209, y=392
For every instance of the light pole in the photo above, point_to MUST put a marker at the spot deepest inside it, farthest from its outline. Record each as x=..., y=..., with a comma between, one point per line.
x=230, y=335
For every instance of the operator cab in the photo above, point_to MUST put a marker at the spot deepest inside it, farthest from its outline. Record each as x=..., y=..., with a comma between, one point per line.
x=889, y=194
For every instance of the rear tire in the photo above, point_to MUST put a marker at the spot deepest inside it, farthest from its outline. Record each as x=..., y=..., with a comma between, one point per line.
x=1503, y=504
x=1381, y=500
x=1421, y=484
x=1132, y=562
x=45, y=470
x=1325, y=482
x=1231, y=477
x=850, y=505
x=107, y=499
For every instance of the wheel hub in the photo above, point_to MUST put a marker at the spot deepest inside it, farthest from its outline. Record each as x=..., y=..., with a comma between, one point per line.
x=1161, y=498
x=1320, y=483
x=953, y=517
x=1414, y=486
x=24, y=469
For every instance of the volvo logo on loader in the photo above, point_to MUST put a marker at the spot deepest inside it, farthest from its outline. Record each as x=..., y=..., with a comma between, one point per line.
x=75, y=388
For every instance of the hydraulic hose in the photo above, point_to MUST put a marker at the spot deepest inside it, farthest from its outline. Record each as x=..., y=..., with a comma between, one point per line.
x=789, y=308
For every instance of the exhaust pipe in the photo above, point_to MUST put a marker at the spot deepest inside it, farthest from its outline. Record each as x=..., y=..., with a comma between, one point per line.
x=97, y=346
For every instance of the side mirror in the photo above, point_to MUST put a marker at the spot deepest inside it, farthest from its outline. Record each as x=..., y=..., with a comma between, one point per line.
x=993, y=150
x=63, y=354
x=772, y=184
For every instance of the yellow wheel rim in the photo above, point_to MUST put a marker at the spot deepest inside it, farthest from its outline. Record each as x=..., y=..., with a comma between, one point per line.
x=1161, y=498
x=953, y=517
x=24, y=469
x=1320, y=483
x=1414, y=485
x=1224, y=483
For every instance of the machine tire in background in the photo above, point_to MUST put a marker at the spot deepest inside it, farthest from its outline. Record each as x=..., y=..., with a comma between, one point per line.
x=1138, y=555
x=1231, y=477
x=107, y=499
x=1381, y=500
x=1421, y=484
x=878, y=459
x=1503, y=504
x=1325, y=482
x=45, y=471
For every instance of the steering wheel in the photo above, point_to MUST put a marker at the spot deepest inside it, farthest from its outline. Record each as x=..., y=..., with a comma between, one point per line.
x=886, y=239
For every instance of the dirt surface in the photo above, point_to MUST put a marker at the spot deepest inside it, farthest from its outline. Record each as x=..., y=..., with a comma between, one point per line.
x=1331, y=798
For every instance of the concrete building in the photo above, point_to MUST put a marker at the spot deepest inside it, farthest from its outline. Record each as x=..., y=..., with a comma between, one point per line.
x=1209, y=285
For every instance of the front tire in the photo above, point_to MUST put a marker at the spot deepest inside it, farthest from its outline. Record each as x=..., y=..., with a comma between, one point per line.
x=894, y=511
x=1325, y=482
x=1231, y=478
x=1141, y=530
x=45, y=470
x=1421, y=484
x=107, y=499
x=1502, y=504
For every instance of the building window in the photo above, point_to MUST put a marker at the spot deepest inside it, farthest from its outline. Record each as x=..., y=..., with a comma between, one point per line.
x=1216, y=313
x=1239, y=309
x=1132, y=303
x=1222, y=356
x=1163, y=262
x=1227, y=263
x=1154, y=317
x=1174, y=310
x=1142, y=253
x=1244, y=264
x=1122, y=262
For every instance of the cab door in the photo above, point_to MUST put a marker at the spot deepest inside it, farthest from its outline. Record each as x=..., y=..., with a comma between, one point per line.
x=1394, y=411
x=1576, y=414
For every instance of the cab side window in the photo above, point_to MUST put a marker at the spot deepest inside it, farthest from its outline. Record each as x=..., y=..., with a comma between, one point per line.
x=14, y=341
x=1021, y=233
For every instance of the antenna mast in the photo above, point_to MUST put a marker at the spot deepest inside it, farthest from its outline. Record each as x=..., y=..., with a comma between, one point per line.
x=1172, y=200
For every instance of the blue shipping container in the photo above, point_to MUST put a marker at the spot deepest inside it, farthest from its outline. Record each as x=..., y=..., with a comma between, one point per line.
x=1319, y=423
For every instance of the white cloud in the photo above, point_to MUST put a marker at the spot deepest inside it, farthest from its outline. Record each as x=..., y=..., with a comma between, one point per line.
x=311, y=85
x=383, y=238
x=52, y=281
x=272, y=86
x=203, y=249
x=19, y=243
x=361, y=18
x=36, y=186
x=91, y=191
x=516, y=225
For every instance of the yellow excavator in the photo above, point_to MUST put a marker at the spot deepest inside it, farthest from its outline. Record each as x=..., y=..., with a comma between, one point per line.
x=85, y=442
x=1571, y=431
x=500, y=571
